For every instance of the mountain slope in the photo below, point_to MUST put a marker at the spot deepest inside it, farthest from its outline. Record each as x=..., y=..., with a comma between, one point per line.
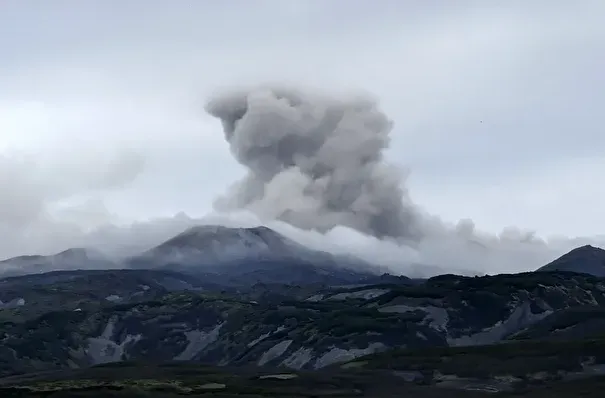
x=251, y=255
x=76, y=258
x=118, y=318
x=222, y=255
x=586, y=259
x=214, y=244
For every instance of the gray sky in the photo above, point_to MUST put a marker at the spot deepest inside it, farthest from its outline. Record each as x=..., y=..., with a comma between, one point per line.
x=497, y=105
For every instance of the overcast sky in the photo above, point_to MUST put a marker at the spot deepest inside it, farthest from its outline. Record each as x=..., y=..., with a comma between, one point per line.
x=498, y=105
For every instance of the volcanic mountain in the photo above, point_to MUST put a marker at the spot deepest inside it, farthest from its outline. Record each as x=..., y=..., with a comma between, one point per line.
x=586, y=259
x=256, y=254
x=76, y=258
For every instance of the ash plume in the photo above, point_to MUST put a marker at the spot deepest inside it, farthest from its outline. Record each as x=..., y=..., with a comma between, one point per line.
x=315, y=161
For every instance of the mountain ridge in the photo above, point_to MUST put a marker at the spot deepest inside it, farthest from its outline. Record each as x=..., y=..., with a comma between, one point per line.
x=231, y=256
x=83, y=318
x=217, y=248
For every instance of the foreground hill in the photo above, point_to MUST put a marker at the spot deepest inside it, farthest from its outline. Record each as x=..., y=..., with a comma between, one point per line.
x=188, y=379
x=78, y=320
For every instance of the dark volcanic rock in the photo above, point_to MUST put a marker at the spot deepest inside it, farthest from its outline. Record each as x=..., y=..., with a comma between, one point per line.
x=82, y=318
x=586, y=259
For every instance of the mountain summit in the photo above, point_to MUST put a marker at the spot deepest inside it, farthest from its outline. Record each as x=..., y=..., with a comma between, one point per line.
x=224, y=255
x=216, y=244
x=75, y=258
x=585, y=259
x=256, y=254
x=211, y=244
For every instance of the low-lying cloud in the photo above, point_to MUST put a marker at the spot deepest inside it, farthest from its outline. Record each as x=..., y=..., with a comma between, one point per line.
x=51, y=203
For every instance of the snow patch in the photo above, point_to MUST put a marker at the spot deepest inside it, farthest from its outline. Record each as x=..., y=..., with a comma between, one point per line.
x=198, y=341
x=436, y=317
x=520, y=318
x=103, y=349
x=274, y=352
x=337, y=355
x=19, y=302
x=315, y=298
x=299, y=358
x=285, y=376
x=366, y=294
x=421, y=336
x=264, y=336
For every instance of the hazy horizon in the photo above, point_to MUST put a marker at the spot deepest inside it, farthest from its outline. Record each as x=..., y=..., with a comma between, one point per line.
x=495, y=145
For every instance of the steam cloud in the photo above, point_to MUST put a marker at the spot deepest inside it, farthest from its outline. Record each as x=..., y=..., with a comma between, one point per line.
x=315, y=162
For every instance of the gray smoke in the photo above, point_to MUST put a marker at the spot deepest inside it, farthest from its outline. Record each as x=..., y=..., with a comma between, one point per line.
x=315, y=161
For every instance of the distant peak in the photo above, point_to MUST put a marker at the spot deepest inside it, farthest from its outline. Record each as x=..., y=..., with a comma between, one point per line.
x=214, y=229
x=202, y=229
x=207, y=237
x=78, y=252
x=586, y=250
x=586, y=259
x=73, y=252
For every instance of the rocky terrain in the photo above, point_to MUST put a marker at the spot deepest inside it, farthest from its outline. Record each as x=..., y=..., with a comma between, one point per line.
x=189, y=379
x=271, y=317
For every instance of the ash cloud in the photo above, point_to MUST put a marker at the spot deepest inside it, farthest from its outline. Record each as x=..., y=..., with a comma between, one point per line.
x=315, y=161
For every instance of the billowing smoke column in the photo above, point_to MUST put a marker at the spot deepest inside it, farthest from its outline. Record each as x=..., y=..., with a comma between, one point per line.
x=314, y=161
